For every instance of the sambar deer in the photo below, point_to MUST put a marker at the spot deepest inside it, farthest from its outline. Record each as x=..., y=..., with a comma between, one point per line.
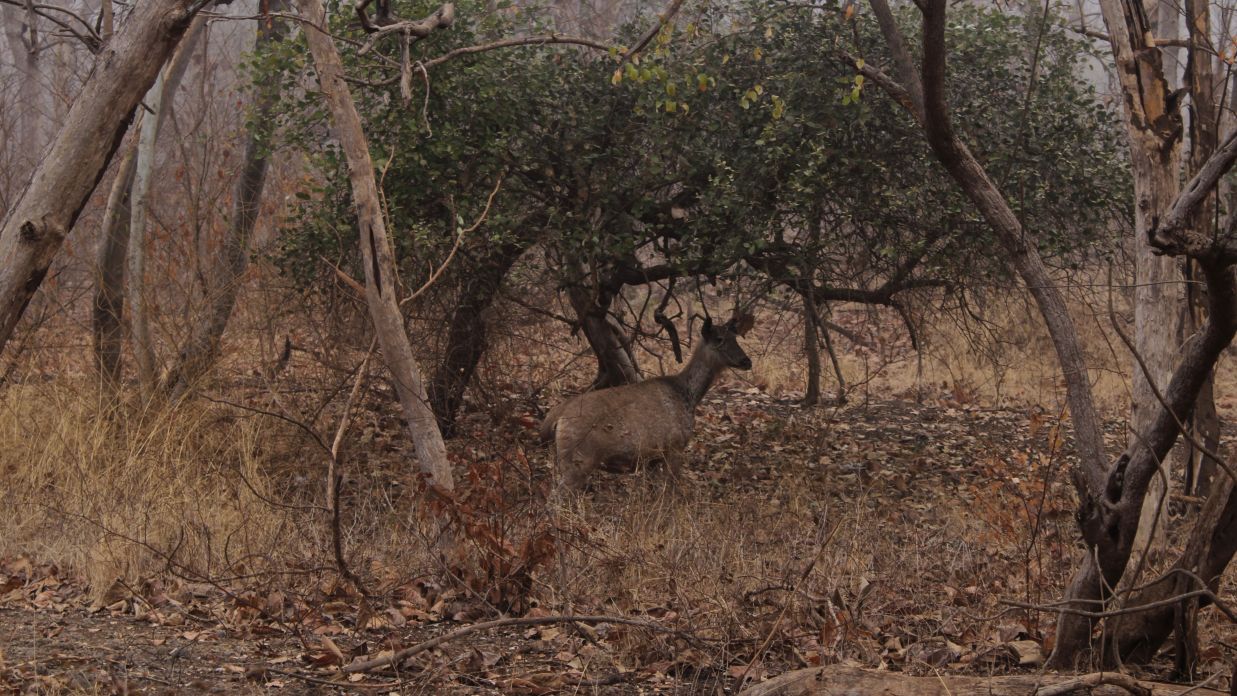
x=619, y=428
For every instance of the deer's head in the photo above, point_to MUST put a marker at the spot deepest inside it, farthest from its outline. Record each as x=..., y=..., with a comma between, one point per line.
x=724, y=340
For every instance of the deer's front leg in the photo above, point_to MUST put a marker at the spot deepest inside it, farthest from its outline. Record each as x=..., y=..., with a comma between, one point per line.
x=674, y=469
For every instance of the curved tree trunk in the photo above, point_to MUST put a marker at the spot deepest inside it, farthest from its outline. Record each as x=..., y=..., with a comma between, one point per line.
x=38, y=223
x=107, y=317
x=376, y=252
x=1208, y=551
x=616, y=365
x=1111, y=496
x=224, y=277
x=466, y=335
x=158, y=100
x=139, y=319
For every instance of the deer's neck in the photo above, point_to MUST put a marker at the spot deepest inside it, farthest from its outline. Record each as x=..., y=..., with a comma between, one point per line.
x=701, y=371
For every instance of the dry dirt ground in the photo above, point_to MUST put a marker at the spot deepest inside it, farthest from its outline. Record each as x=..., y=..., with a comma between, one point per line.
x=880, y=534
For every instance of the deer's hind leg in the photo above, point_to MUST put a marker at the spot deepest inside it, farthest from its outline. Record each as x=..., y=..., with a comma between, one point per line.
x=671, y=470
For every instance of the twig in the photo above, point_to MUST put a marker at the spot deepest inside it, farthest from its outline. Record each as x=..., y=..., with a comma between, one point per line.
x=764, y=645
x=432, y=643
x=610, y=680
x=334, y=478
x=662, y=20
x=337, y=684
x=441, y=18
x=345, y=278
x=544, y=39
x=455, y=246
x=1126, y=610
x=338, y=38
x=90, y=38
x=1201, y=685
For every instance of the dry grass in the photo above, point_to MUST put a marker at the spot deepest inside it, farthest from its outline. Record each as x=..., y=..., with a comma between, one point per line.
x=112, y=495
x=215, y=493
x=1004, y=360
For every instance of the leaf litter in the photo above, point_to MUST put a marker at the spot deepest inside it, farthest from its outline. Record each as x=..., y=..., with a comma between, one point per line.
x=944, y=508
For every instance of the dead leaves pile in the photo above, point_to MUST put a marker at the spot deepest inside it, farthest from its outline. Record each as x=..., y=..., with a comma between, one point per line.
x=933, y=474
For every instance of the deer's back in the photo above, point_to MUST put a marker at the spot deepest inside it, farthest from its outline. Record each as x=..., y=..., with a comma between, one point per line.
x=621, y=425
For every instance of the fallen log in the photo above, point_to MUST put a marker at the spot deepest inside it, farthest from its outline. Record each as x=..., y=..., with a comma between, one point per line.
x=843, y=680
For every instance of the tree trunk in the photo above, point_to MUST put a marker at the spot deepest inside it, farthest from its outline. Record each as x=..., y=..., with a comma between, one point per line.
x=107, y=319
x=376, y=252
x=1154, y=129
x=1207, y=430
x=1208, y=551
x=811, y=347
x=466, y=335
x=139, y=319
x=1158, y=304
x=109, y=300
x=1137, y=637
x=1204, y=139
x=224, y=277
x=616, y=365
x=1109, y=520
x=1111, y=496
x=825, y=327
x=159, y=100
x=38, y=223
x=20, y=29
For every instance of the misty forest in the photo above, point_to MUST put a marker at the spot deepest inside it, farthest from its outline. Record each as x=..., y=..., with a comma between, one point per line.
x=618, y=347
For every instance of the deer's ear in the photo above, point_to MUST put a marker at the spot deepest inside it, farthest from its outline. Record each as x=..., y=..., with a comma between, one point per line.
x=742, y=323
x=707, y=329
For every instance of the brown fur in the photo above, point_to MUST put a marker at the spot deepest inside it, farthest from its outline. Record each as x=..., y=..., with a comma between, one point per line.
x=620, y=428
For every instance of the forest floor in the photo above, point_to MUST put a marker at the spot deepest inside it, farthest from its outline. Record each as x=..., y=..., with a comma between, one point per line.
x=886, y=534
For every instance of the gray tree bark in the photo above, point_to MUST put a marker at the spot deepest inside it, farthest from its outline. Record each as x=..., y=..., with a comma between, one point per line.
x=21, y=32
x=376, y=252
x=616, y=365
x=467, y=334
x=1111, y=495
x=38, y=223
x=139, y=318
x=159, y=101
x=224, y=276
x=107, y=317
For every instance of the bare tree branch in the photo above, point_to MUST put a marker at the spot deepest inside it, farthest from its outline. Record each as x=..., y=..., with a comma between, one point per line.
x=1175, y=234
x=662, y=19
